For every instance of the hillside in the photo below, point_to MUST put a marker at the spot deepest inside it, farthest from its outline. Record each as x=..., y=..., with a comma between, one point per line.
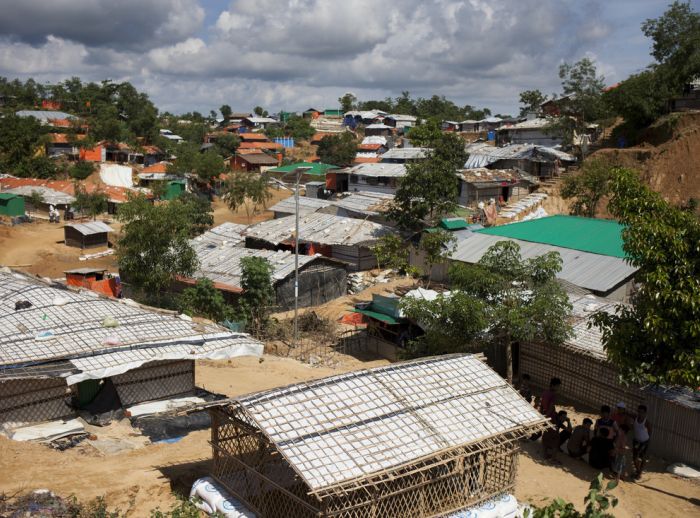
x=668, y=157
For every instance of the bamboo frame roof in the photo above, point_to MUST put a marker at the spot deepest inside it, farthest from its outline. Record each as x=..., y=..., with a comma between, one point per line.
x=344, y=429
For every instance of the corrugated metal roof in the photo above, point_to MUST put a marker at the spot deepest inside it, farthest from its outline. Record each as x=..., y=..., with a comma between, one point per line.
x=306, y=205
x=225, y=234
x=44, y=116
x=482, y=156
x=406, y=153
x=51, y=196
x=63, y=324
x=370, y=203
x=93, y=227
x=483, y=175
x=353, y=425
x=379, y=170
x=320, y=228
x=591, y=271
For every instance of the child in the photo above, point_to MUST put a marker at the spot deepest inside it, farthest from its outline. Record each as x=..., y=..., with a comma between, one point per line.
x=601, y=449
x=525, y=388
x=548, y=400
x=580, y=439
x=554, y=437
x=640, y=444
x=621, y=449
x=605, y=421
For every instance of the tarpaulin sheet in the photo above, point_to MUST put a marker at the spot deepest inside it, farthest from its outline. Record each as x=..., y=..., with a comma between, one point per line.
x=116, y=175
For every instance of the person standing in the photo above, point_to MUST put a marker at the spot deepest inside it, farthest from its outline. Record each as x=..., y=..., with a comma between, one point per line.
x=640, y=444
x=548, y=401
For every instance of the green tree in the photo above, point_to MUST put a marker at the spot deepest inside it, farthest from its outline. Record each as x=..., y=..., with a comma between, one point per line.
x=20, y=137
x=209, y=165
x=531, y=100
x=153, y=247
x=81, y=170
x=35, y=199
x=260, y=111
x=524, y=301
x=201, y=212
x=204, y=300
x=450, y=148
x=226, y=145
x=258, y=293
x=676, y=44
x=427, y=134
x=588, y=186
x=640, y=99
x=299, y=128
x=347, y=102
x=437, y=246
x=426, y=194
x=246, y=189
x=37, y=167
x=393, y=252
x=90, y=203
x=226, y=111
x=655, y=340
x=599, y=502
x=338, y=149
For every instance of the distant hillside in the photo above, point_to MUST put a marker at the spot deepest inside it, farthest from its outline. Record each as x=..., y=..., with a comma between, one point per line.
x=668, y=157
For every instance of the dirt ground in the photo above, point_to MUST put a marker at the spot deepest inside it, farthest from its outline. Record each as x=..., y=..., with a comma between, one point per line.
x=142, y=479
x=38, y=248
x=223, y=214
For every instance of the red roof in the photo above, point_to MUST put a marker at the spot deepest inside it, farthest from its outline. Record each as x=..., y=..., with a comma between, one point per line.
x=366, y=160
x=63, y=123
x=260, y=145
x=115, y=194
x=318, y=137
x=253, y=137
x=62, y=138
x=249, y=151
x=369, y=147
x=152, y=150
x=160, y=167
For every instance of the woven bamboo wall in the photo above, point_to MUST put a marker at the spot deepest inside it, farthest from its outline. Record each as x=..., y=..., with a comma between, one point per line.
x=593, y=382
x=250, y=467
x=155, y=380
x=25, y=401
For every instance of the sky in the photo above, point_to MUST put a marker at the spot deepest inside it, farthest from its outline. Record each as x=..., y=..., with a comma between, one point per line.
x=295, y=54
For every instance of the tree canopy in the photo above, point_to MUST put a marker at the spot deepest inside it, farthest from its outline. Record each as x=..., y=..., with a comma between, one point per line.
x=204, y=300
x=258, y=293
x=338, y=149
x=530, y=101
x=588, y=186
x=655, y=340
x=91, y=203
x=246, y=189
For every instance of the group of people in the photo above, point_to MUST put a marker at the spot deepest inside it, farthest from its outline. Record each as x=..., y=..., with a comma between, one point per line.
x=608, y=442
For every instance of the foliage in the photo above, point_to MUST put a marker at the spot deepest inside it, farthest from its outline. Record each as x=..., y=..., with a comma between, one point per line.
x=19, y=139
x=437, y=106
x=425, y=194
x=258, y=292
x=347, y=102
x=640, y=99
x=226, y=111
x=393, y=252
x=153, y=247
x=676, y=44
x=204, y=300
x=226, y=145
x=201, y=212
x=37, y=167
x=531, y=100
x=205, y=165
x=209, y=165
x=437, y=247
x=299, y=128
x=338, y=149
x=92, y=203
x=260, y=111
x=246, y=189
x=425, y=135
x=81, y=170
x=588, y=187
x=598, y=502
x=656, y=339
x=35, y=199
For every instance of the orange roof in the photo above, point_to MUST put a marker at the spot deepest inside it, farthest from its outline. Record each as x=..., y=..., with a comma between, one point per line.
x=249, y=151
x=63, y=123
x=369, y=147
x=62, y=138
x=318, y=137
x=115, y=194
x=366, y=160
x=152, y=150
x=260, y=145
x=160, y=167
x=249, y=137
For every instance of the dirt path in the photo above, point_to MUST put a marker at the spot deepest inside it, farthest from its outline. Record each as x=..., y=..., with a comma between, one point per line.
x=140, y=480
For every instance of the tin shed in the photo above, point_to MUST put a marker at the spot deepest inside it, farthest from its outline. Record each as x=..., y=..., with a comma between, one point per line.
x=11, y=204
x=87, y=235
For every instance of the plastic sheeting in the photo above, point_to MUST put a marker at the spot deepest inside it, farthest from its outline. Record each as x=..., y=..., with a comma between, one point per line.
x=213, y=498
x=46, y=432
x=117, y=175
x=506, y=506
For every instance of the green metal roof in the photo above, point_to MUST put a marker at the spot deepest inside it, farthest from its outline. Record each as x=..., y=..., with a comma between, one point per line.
x=317, y=168
x=597, y=236
x=454, y=223
x=8, y=196
x=377, y=316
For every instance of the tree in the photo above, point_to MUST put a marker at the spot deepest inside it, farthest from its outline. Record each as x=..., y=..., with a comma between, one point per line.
x=90, y=203
x=347, y=102
x=393, y=252
x=531, y=101
x=37, y=167
x=425, y=194
x=299, y=128
x=247, y=189
x=426, y=135
x=35, y=199
x=19, y=139
x=226, y=145
x=437, y=247
x=598, y=502
x=640, y=99
x=588, y=187
x=260, y=111
x=209, y=165
x=226, y=111
x=523, y=300
x=338, y=149
x=201, y=212
x=676, y=44
x=204, y=300
x=655, y=339
x=81, y=170
x=153, y=247
x=450, y=148
x=258, y=292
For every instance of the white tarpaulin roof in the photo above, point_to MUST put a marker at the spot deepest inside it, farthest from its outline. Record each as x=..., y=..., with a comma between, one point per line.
x=352, y=425
x=67, y=328
x=483, y=156
x=117, y=175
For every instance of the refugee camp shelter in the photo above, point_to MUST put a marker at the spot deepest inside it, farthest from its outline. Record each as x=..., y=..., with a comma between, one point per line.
x=378, y=177
x=64, y=349
x=416, y=439
x=11, y=204
x=402, y=155
x=589, y=379
x=317, y=172
x=307, y=205
x=591, y=250
x=87, y=235
x=346, y=239
x=532, y=131
x=535, y=160
x=320, y=278
x=482, y=184
x=94, y=279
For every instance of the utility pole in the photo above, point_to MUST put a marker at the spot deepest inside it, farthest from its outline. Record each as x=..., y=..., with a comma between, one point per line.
x=299, y=171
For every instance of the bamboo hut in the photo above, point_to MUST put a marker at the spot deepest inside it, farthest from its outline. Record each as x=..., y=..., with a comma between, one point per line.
x=420, y=438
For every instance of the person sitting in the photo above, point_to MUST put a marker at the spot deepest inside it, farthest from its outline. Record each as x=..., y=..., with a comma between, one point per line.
x=605, y=421
x=580, y=439
x=558, y=434
x=601, y=450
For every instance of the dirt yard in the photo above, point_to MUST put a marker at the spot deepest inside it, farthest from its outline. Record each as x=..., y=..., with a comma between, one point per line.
x=142, y=479
x=223, y=214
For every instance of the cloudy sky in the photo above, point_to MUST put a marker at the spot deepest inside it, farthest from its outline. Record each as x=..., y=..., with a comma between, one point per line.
x=292, y=54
